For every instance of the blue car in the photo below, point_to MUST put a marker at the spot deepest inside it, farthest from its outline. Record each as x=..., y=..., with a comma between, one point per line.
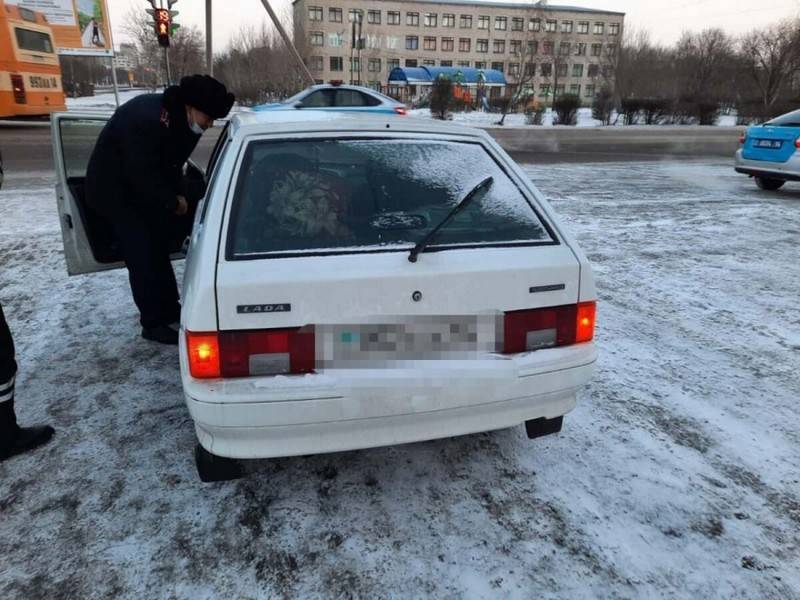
x=340, y=98
x=771, y=152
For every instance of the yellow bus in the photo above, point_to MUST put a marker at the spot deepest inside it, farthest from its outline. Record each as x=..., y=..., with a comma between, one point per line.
x=30, y=74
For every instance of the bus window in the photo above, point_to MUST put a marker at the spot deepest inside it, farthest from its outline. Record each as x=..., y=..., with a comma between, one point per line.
x=33, y=41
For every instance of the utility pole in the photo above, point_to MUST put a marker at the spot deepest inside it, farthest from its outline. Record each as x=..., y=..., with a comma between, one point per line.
x=288, y=42
x=209, y=47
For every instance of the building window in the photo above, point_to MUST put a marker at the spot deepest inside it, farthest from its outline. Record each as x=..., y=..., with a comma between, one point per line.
x=479, y=64
x=431, y=19
x=355, y=64
x=447, y=44
x=499, y=46
x=501, y=23
x=464, y=44
x=463, y=63
x=465, y=22
x=392, y=42
x=428, y=63
x=530, y=69
x=575, y=89
x=316, y=63
x=580, y=49
x=583, y=26
x=374, y=65
x=335, y=15
x=356, y=15
x=446, y=63
x=412, y=19
x=613, y=29
x=335, y=40
x=597, y=49
x=374, y=17
x=560, y=89
x=590, y=90
x=611, y=49
x=393, y=17
x=483, y=22
x=315, y=13
x=412, y=42
x=534, y=25
x=317, y=38
x=517, y=24
x=566, y=26
x=546, y=69
x=562, y=69
x=564, y=48
x=497, y=66
x=513, y=69
x=544, y=90
x=551, y=26
x=482, y=46
x=516, y=47
x=337, y=64
x=429, y=43
x=577, y=70
x=392, y=63
x=533, y=47
x=448, y=20
x=593, y=70
x=411, y=62
x=599, y=28
x=547, y=48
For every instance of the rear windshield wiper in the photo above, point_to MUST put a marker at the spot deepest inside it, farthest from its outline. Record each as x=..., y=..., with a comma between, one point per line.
x=412, y=257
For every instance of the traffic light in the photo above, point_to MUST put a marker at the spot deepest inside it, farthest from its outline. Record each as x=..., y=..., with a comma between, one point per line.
x=163, y=27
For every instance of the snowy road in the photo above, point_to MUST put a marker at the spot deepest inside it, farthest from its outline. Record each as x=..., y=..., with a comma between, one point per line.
x=678, y=475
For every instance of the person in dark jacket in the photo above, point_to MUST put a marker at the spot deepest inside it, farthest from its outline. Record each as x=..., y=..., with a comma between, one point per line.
x=13, y=438
x=134, y=179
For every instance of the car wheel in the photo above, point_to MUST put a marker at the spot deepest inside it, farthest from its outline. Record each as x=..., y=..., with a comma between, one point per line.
x=537, y=428
x=211, y=467
x=771, y=185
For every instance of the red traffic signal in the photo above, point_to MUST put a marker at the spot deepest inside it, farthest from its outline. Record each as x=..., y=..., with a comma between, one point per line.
x=163, y=27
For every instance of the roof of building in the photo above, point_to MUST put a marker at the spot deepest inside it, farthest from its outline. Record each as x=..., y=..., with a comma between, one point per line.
x=427, y=75
x=545, y=7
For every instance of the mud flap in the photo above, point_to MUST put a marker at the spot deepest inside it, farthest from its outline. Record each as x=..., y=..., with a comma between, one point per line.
x=537, y=428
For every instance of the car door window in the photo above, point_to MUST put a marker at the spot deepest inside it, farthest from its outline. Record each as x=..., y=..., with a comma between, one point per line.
x=318, y=99
x=350, y=98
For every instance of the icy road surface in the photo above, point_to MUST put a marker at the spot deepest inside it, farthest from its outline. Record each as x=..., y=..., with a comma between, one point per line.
x=678, y=475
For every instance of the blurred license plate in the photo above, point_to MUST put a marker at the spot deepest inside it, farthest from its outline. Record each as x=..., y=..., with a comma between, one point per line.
x=769, y=143
x=417, y=338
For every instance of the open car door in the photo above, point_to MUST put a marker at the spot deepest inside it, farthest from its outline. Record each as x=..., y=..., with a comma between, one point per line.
x=89, y=241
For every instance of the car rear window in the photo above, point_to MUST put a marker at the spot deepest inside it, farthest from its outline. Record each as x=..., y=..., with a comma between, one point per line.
x=349, y=195
x=791, y=119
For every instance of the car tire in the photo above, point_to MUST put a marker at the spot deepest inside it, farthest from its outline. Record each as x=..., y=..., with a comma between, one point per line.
x=766, y=183
x=211, y=467
x=537, y=428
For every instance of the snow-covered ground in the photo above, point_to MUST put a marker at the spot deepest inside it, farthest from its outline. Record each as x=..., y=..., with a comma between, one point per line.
x=483, y=119
x=677, y=476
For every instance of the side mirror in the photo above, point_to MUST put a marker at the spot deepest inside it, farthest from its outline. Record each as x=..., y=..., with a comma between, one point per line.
x=299, y=104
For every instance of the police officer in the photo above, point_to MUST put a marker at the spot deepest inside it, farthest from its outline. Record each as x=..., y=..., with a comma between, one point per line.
x=13, y=438
x=134, y=179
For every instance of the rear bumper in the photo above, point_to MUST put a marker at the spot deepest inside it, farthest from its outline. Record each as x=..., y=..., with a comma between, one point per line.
x=787, y=171
x=361, y=408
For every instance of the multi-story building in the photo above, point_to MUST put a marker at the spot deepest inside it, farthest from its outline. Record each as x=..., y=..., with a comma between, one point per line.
x=548, y=48
x=126, y=57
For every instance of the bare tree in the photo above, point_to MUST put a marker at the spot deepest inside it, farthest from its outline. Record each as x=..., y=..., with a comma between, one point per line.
x=770, y=57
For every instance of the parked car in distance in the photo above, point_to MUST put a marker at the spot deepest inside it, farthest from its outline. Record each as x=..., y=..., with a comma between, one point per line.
x=340, y=98
x=354, y=282
x=771, y=152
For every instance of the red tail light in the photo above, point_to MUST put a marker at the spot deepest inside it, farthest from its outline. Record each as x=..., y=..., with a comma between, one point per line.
x=742, y=139
x=526, y=330
x=400, y=110
x=18, y=85
x=251, y=353
x=797, y=143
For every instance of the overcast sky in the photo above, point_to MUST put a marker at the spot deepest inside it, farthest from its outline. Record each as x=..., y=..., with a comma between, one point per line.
x=665, y=19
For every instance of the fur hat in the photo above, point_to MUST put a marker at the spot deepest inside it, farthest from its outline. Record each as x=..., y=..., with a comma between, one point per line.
x=205, y=93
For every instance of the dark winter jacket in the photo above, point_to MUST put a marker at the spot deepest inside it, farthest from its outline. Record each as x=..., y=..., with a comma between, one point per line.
x=138, y=159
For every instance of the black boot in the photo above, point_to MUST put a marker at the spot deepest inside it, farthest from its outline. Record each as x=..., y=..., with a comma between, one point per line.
x=15, y=439
x=163, y=334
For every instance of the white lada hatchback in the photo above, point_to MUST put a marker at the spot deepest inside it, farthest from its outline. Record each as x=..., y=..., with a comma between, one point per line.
x=360, y=281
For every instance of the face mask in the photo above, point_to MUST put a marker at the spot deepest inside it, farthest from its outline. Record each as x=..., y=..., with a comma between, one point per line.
x=196, y=129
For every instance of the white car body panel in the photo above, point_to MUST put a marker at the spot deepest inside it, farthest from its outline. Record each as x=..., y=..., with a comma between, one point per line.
x=339, y=409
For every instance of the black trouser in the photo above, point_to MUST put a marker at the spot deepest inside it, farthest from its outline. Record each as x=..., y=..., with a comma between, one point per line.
x=145, y=245
x=8, y=371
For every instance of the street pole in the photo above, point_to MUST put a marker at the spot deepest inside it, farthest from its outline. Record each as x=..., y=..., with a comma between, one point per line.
x=114, y=79
x=288, y=42
x=209, y=47
x=166, y=63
